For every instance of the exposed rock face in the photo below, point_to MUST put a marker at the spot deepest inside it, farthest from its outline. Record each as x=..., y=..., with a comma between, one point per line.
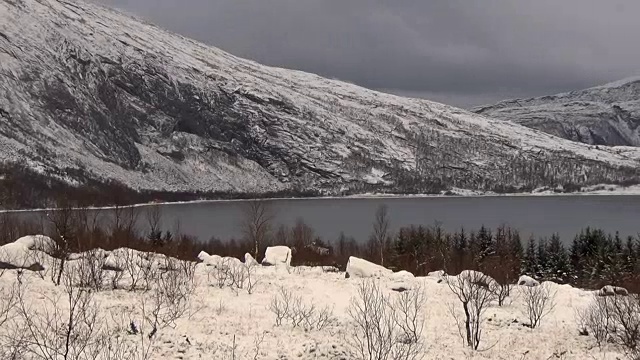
x=87, y=93
x=602, y=115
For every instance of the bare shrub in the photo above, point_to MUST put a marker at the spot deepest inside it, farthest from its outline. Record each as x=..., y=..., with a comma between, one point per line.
x=595, y=319
x=115, y=278
x=91, y=273
x=170, y=298
x=539, y=301
x=221, y=273
x=53, y=332
x=473, y=290
x=252, y=279
x=280, y=305
x=614, y=319
x=287, y=306
x=386, y=329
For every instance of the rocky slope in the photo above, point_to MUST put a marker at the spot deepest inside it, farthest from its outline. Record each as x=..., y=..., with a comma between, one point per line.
x=602, y=115
x=87, y=93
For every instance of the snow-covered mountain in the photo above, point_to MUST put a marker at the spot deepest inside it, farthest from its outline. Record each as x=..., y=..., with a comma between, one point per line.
x=89, y=93
x=602, y=115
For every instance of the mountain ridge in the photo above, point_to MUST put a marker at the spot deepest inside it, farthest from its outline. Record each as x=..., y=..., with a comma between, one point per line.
x=87, y=92
x=607, y=114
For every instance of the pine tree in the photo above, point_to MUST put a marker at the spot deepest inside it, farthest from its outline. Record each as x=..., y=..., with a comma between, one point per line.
x=558, y=260
x=486, y=243
x=542, y=265
x=530, y=258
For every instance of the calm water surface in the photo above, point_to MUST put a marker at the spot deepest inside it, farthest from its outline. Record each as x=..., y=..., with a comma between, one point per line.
x=539, y=215
x=543, y=216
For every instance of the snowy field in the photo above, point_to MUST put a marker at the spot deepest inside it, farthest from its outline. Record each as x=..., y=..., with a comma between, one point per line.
x=227, y=322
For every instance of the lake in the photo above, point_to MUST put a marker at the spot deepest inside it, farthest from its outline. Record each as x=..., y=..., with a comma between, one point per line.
x=540, y=215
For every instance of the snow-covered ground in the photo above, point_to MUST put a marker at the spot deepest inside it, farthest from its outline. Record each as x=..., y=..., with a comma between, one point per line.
x=225, y=324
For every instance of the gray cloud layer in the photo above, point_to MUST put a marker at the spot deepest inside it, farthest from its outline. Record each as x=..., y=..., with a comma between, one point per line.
x=456, y=51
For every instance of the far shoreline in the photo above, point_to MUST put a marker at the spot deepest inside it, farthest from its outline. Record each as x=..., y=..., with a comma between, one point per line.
x=596, y=190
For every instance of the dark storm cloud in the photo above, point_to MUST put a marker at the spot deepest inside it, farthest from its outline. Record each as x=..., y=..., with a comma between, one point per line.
x=457, y=51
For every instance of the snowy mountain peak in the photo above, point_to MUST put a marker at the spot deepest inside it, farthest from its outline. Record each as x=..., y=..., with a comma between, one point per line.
x=602, y=115
x=89, y=93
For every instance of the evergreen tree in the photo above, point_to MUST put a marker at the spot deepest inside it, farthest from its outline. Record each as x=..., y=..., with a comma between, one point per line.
x=542, y=266
x=558, y=260
x=530, y=258
x=486, y=243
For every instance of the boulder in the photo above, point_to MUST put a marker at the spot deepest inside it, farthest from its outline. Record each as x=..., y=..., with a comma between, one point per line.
x=277, y=255
x=477, y=278
x=437, y=274
x=525, y=280
x=359, y=268
x=209, y=260
x=249, y=260
x=37, y=242
x=610, y=290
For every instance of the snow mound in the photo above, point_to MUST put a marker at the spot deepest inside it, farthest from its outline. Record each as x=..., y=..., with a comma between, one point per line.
x=525, y=280
x=276, y=255
x=37, y=242
x=402, y=274
x=359, y=268
x=436, y=274
x=610, y=290
x=249, y=260
x=401, y=286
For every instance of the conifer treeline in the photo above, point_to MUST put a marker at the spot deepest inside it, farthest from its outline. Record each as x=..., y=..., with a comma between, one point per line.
x=593, y=259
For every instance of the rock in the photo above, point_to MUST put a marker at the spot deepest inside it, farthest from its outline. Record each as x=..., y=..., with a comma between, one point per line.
x=277, y=255
x=610, y=290
x=360, y=268
x=525, y=280
x=249, y=260
x=209, y=260
x=38, y=242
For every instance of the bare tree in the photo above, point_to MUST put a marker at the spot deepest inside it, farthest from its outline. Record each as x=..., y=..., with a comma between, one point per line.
x=65, y=225
x=257, y=224
x=539, y=301
x=474, y=290
x=381, y=229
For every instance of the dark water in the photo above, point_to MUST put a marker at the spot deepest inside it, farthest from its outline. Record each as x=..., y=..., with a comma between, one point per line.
x=540, y=215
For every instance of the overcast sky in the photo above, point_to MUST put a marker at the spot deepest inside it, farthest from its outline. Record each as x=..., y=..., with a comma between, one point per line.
x=461, y=52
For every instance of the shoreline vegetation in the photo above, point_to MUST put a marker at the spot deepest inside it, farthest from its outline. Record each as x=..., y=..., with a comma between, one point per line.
x=593, y=258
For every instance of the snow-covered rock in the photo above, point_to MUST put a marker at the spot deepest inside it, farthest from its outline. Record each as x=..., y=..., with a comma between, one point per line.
x=436, y=274
x=359, y=268
x=209, y=260
x=249, y=260
x=525, y=280
x=610, y=290
x=37, y=242
x=277, y=255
